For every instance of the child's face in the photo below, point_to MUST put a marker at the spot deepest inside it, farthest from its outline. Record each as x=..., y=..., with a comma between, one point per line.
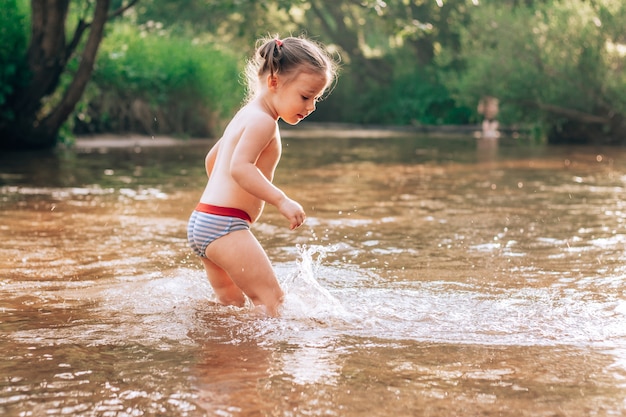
x=296, y=97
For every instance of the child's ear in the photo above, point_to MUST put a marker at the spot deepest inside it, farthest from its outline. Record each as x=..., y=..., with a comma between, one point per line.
x=272, y=82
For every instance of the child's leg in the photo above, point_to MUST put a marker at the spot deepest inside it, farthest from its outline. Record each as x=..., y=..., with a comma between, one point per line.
x=225, y=289
x=241, y=256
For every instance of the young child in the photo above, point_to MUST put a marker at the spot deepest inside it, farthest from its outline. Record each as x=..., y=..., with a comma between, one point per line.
x=285, y=79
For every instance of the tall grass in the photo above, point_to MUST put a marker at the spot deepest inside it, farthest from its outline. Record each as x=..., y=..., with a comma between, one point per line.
x=147, y=81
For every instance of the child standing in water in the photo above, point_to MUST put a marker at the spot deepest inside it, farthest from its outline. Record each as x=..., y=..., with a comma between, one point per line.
x=286, y=78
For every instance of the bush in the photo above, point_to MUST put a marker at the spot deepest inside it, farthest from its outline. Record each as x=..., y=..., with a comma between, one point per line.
x=413, y=96
x=555, y=65
x=13, y=43
x=417, y=97
x=149, y=82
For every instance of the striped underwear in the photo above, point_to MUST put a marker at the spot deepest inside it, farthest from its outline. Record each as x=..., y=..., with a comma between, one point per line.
x=208, y=223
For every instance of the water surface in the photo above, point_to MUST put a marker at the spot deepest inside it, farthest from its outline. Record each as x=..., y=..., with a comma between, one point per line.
x=434, y=277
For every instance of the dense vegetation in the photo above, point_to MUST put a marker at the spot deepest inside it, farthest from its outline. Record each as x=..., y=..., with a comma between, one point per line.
x=152, y=82
x=557, y=66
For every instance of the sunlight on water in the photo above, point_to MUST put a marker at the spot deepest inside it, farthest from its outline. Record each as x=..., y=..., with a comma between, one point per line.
x=66, y=193
x=320, y=303
x=325, y=304
x=433, y=287
x=316, y=299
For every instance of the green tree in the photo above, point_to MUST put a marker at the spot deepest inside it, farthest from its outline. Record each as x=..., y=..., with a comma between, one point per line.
x=150, y=81
x=381, y=44
x=558, y=65
x=35, y=106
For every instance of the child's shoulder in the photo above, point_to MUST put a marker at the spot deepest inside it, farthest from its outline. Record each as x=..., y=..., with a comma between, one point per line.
x=254, y=116
x=254, y=112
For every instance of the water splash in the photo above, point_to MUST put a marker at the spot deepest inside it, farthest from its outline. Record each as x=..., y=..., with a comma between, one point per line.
x=305, y=297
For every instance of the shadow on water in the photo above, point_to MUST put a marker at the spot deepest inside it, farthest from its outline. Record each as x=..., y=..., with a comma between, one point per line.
x=433, y=277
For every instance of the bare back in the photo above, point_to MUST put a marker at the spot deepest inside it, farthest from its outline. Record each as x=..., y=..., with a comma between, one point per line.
x=254, y=134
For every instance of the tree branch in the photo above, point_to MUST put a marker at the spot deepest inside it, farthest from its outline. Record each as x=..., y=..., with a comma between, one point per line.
x=73, y=93
x=122, y=9
x=78, y=33
x=573, y=114
x=83, y=25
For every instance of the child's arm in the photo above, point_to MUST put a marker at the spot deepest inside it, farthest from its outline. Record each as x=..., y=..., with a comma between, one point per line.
x=254, y=140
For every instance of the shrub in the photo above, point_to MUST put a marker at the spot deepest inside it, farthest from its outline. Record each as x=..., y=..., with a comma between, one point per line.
x=13, y=43
x=557, y=65
x=149, y=82
x=417, y=97
x=413, y=96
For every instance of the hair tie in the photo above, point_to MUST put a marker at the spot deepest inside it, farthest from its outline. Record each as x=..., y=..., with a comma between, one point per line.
x=279, y=43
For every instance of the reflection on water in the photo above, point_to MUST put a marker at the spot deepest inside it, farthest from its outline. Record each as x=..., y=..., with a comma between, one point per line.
x=433, y=277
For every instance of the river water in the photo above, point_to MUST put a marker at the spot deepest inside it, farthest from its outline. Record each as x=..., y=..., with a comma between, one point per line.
x=434, y=277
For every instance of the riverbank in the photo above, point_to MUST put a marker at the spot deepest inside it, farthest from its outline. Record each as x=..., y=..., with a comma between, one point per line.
x=302, y=131
x=110, y=140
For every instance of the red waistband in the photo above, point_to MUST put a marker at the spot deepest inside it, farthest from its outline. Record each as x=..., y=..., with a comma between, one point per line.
x=223, y=211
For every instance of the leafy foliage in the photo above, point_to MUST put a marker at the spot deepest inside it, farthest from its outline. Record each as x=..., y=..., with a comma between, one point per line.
x=173, y=67
x=550, y=65
x=415, y=97
x=13, y=39
x=147, y=81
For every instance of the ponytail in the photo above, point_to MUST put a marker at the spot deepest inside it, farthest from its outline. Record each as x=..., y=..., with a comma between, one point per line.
x=271, y=54
x=287, y=57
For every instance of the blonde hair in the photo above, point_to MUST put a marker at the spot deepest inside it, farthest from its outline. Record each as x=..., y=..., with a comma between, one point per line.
x=288, y=57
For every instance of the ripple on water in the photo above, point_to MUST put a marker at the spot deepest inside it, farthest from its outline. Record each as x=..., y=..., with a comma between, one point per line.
x=325, y=302
x=442, y=311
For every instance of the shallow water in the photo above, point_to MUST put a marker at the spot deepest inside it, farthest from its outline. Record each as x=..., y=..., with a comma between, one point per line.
x=434, y=277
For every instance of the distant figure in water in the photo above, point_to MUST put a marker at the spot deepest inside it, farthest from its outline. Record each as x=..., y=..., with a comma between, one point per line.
x=286, y=78
x=488, y=107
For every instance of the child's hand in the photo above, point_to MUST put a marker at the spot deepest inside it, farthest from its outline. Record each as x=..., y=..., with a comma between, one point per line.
x=293, y=211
